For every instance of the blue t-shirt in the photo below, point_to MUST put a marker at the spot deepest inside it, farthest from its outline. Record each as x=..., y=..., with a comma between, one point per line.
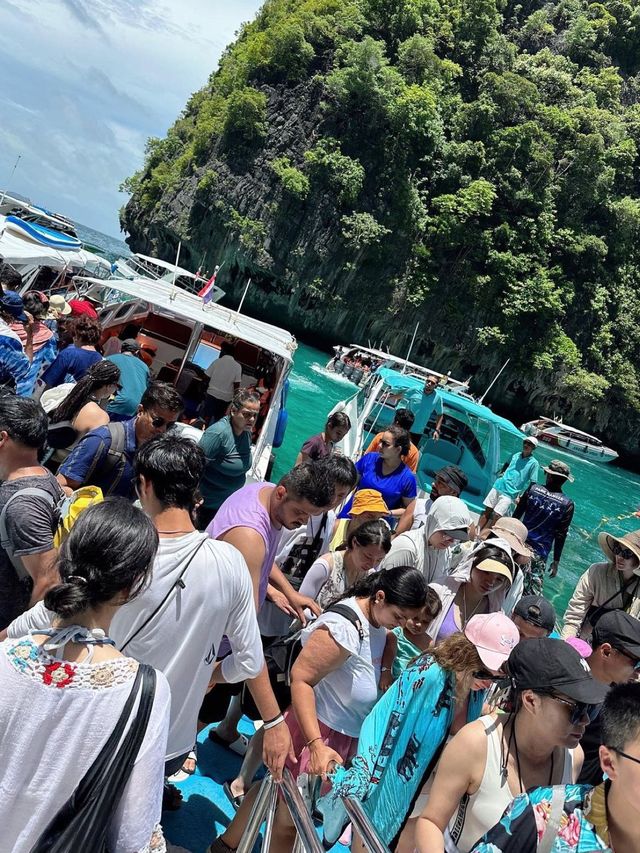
x=547, y=516
x=401, y=483
x=520, y=473
x=134, y=378
x=70, y=365
x=423, y=406
x=86, y=462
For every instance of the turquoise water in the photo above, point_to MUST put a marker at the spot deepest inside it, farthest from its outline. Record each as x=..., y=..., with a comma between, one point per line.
x=600, y=492
x=111, y=247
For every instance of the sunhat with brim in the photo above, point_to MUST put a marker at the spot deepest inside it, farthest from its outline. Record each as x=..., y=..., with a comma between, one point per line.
x=368, y=500
x=530, y=439
x=558, y=468
x=59, y=305
x=494, y=635
x=547, y=665
x=515, y=533
x=495, y=566
x=629, y=540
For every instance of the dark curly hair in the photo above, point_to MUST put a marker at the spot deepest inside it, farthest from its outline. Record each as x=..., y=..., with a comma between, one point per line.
x=86, y=330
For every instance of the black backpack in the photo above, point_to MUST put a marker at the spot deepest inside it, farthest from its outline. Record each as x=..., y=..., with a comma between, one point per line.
x=281, y=656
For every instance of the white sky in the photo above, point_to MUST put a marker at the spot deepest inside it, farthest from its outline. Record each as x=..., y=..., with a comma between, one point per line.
x=85, y=82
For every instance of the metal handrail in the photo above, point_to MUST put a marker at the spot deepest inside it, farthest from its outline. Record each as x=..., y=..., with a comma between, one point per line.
x=264, y=809
x=363, y=826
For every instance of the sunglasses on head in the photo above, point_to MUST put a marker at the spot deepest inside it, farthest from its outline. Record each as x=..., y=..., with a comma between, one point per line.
x=577, y=709
x=619, y=551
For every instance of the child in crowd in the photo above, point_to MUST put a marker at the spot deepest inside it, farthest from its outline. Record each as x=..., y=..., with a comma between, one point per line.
x=405, y=644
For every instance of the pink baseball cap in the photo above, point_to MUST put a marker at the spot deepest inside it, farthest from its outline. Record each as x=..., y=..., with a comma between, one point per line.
x=581, y=646
x=494, y=635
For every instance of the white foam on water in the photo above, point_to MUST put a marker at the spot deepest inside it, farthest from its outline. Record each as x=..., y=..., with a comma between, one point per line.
x=329, y=374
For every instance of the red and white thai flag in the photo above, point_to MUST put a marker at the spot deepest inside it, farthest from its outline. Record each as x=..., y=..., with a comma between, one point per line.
x=207, y=291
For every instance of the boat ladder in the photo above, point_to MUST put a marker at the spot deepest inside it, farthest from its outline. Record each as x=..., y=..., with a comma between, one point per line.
x=307, y=840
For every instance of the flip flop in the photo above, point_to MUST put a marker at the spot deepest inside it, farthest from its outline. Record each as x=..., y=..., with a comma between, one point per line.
x=235, y=801
x=239, y=745
x=182, y=774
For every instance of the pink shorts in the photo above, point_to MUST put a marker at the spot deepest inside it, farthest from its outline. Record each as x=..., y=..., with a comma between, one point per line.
x=344, y=745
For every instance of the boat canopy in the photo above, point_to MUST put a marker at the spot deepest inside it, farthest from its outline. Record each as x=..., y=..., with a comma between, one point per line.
x=398, y=382
x=17, y=251
x=175, y=300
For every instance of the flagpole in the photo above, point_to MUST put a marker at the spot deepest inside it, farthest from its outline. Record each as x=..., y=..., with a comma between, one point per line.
x=172, y=295
x=243, y=296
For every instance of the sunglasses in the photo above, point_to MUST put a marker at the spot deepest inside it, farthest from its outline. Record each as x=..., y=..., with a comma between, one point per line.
x=635, y=660
x=247, y=415
x=578, y=709
x=485, y=675
x=624, y=754
x=157, y=422
x=619, y=551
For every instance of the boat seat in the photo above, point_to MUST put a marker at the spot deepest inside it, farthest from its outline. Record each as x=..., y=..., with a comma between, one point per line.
x=437, y=454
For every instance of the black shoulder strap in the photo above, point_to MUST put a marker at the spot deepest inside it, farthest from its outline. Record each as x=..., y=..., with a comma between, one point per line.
x=177, y=583
x=320, y=531
x=350, y=615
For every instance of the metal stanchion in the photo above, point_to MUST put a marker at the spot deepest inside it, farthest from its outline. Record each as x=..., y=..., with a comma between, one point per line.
x=363, y=826
x=257, y=816
x=299, y=814
x=271, y=814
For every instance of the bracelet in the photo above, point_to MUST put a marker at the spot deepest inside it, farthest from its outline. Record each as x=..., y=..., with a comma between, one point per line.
x=273, y=723
x=385, y=669
x=272, y=720
x=313, y=740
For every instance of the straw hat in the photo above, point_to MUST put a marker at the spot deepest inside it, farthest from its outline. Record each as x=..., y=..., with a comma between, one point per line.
x=515, y=533
x=58, y=306
x=629, y=540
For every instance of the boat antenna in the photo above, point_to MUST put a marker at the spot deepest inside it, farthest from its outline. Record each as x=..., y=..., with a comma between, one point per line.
x=172, y=295
x=495, y=379
x=15, y=166
x=406, y=361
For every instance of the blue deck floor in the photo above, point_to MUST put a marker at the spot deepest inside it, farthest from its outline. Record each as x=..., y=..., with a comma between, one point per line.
x=205, y=810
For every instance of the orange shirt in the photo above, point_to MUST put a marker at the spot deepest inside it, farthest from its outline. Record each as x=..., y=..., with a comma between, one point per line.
x=410, y=460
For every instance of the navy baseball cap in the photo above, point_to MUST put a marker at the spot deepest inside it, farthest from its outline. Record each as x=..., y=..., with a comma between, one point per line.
x=12, y=303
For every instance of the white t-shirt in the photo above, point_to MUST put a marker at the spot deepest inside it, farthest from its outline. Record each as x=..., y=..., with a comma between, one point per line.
x=54, y=722
x=223, y=373
x=346, y=695
x=183, y=639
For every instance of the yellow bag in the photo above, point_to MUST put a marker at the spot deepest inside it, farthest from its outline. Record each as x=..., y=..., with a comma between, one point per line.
x=72, y=506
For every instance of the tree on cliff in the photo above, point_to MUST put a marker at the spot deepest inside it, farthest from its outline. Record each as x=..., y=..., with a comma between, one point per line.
x=474, y=165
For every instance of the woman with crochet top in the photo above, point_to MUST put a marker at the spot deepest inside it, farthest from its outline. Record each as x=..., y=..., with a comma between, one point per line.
x=63, y=691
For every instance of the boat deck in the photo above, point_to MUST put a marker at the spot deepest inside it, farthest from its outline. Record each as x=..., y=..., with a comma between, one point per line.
x=206, y=810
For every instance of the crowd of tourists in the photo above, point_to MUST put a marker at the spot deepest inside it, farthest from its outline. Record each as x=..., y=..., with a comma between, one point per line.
x=391, y=649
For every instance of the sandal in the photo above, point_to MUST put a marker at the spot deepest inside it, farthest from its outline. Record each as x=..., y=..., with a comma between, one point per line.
x=171, y=798
x=235, y=801
x=182, y=774
x=239, y=745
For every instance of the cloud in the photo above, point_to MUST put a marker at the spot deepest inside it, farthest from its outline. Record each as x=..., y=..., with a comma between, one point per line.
x=86, y=82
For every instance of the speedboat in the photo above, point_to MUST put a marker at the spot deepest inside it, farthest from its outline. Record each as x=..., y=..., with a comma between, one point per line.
x=46, y=258
x=138, y=266
x=22, y=209
x=569, y=439
x=472, y=436
x=185, y=336
x=358, y=363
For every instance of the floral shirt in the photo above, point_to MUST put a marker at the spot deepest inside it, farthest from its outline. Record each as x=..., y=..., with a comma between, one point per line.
x=583, y=823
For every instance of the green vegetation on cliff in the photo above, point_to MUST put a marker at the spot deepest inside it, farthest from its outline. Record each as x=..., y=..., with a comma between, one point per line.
x=474, y=165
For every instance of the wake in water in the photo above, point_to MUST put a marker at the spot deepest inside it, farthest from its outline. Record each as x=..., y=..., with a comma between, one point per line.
x=329, y=374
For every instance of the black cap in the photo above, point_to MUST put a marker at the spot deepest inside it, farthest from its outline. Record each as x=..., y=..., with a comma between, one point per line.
x=536, y=610
x=620, y=630
x=552, y=666
x=454, y=476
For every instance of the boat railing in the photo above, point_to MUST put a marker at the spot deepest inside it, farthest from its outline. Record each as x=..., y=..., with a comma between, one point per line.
x=307, y=840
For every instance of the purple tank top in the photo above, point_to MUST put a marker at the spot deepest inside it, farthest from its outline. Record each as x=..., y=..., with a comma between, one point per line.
x=243, y=509
x=448, y=626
